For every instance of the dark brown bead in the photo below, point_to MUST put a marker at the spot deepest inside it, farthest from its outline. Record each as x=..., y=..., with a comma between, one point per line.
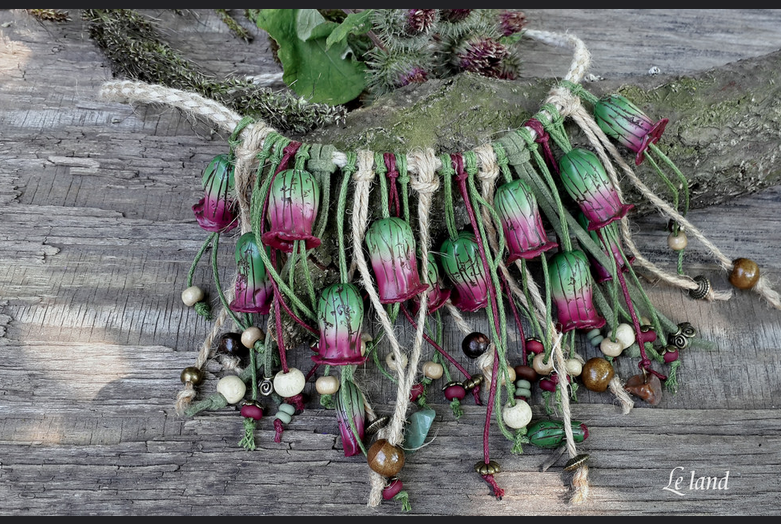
x=597, y=374
x=230, y=344
x=384, y=458
x=526, y=373
x=745, y=273
x=645, y=386
x=475, y=344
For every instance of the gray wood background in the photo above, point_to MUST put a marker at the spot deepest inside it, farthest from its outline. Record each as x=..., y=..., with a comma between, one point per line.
x=97, y=236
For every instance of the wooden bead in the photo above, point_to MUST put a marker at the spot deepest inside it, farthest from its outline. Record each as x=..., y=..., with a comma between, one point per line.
x=252, y=335
x=390, y=360
x=573, y=366
x=289, y=384
x=625, y=335
x=677, y=242
x=327, y=385
x=192, y=295
x=526, y=373
x=597, y=374
x=192, y=375
x=510, y=374
x=517, y=416
x=384, y=458
x=432, y=370
x=611, y=348
x=230, y=344
x=232, y=388
x=540, y=367
x=745, y=273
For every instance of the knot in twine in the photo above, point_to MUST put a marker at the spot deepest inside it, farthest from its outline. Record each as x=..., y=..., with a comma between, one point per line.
x=423, y=165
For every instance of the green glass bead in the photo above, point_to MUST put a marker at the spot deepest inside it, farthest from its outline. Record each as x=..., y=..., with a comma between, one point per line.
x=287, y=408
x=523, y=392
x=417, y=429
x=550, y=434
x=284, y=417
x=521, y=383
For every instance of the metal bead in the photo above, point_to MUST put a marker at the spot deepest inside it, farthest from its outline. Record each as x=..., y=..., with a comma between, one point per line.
x=678, y=340
x=687, y=330
x=473, y=382
x=192, y=375
x=702, y=289
x=266, y=387
x=576, y=462
x=491, y=468
x=376, y=425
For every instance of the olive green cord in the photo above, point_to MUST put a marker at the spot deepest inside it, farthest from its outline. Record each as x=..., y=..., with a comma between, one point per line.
x=347, y=376
x=380, y=169
x=580, y=91
x=401, y=165
x=502, y=161
x=348, y=171
x=202, y=307
x=538, y=331
x=447, y=178
x=215, y=271
x=552, y=121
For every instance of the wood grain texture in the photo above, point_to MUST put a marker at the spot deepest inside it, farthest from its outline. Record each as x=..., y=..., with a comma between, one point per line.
x=97, y=237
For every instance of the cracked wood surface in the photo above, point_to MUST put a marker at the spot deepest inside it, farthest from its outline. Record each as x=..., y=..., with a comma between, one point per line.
x=97, y=237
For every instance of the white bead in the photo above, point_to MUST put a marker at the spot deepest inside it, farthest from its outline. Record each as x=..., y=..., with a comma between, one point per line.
x=517, y=416
x=251, y=335
x=327, y=385
x=625, y=335
x=192, y=295
x=289, y=384
x=540, y=367
x=677, y=242
x=390, y=360
x=232, y=388
x=573, y=366
x=432, y=370
x=610, y=348
x=510, y=374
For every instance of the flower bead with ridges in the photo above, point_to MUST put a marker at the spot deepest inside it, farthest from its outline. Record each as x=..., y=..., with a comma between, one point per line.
x=623, y=121
x=253, y=290
x=340, y=317
x=521, y=221
x=293, y=201
x=570, y=281
x=463, y=266
x=217, y=210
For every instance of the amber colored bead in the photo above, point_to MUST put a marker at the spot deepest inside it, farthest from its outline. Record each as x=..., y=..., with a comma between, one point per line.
x=646, y=386
x=384, y=458
x=745, y=273
x=596, y=374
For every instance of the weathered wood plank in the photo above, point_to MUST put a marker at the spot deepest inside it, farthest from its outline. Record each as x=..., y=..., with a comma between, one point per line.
x=97, y=238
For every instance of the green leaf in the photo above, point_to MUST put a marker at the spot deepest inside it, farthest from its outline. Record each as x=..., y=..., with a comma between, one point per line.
x=310, y=25
x=314, y=72
x=355, y=23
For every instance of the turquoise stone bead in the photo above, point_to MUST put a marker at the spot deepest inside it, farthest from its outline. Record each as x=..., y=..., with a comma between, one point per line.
x=287, y=408
x=284, y=417
x=417, y=429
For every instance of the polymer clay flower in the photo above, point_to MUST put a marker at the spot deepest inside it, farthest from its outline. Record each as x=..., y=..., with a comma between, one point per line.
x=340, y=317
x=587, y=183
x=623, y=121
x=293, y=201
x=571, y=291
x=253, y=289
x=522, y=224
x=217, y=210
x=464, y=267
x=349, y=407
x=391, y=245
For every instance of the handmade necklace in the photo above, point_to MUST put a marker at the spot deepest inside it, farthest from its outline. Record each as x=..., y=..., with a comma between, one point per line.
x=282, y=194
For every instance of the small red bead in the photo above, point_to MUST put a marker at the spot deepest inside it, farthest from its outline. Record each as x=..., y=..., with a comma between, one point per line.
x=547, y=384
x=534, y=346
x=392, y=489
x=670, y=356
x=648, y=335
x=453, y=391
x=416, y=391
x=251, y=411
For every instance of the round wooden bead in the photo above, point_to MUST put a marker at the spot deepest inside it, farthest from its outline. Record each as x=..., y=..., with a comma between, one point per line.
x=192, y=375
x=251, y=335
x=192, y=295
x=625, y=335
x=597, y=374
x=745, y=273
x=510, y=374
x=432, y=370
x=526, y=373
x=540, y=367
x=230, y=344
x=677, y=242
x=327, y=385
x=610, y=348
x=573, y=366
x=475, y=344
x=390, y=360
x=289, y=384
x=384, y=458
x=232, y=388
x=517, y=416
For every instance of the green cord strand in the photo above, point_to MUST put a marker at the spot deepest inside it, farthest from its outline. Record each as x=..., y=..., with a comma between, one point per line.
x=379, y=170
x=310, y=287
x=538, y=331
x=447, y=178
x=347, y=375
x=348, y=171
x=503, y=161
x=580, y=91
x=215, y=271
x=401, y=165
x=202, y=308
x=553, y=123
